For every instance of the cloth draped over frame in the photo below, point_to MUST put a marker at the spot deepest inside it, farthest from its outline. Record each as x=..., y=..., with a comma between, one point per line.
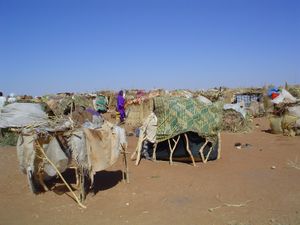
x=177, y=115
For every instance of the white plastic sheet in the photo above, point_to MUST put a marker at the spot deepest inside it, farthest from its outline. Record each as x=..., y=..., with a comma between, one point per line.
x=237, y=107
x=284, y=97
x=204, y=100
x=22, y=114
x=294, y=111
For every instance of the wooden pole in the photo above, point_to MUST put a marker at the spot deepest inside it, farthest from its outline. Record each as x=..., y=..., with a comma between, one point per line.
x=125, y=164
x=219, y=146
x=172, y=149
x=154, y=151
x=188, y=149
x=201, y=151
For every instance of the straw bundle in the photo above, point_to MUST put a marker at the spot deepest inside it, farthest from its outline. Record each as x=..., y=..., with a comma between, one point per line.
x=234, y=122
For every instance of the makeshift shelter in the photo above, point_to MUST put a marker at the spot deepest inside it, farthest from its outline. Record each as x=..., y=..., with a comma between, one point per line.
x=248, y=97
x=234, y=121
x=111, y=97
x=181, y=129
x=137, y=112
x=285, y=117
x=294, y=90
x=63, y=105
x=46, y=147
x=235, y=118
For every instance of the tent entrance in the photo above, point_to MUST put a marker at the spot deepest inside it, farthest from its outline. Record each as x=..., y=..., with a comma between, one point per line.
x=180, y=147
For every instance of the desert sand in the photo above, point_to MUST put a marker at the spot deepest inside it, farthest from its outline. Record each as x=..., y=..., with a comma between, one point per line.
x=253, y=185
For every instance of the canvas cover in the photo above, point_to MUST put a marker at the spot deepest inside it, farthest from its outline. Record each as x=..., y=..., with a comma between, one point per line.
x=21, y=115
x=25, y=152
x=55, y=153
x=77, y=144
x=177, y=115
x=103, y=146
x=67, y=103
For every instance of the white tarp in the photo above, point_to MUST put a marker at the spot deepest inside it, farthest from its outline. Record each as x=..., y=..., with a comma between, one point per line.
x=150, y=127
x=294, y=111
x=204, y=100
x=57, y=156
x=284, y=97
x=22, y=114
x=239, y=107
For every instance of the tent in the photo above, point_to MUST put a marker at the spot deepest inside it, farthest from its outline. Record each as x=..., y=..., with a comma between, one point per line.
x=181, y=129
x=48, y=147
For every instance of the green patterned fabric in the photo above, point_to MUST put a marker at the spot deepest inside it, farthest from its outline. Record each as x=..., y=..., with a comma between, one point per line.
x=177, y=115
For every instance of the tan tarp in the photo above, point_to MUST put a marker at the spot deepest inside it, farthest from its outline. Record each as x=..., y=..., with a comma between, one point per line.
x=275, y=124
x=25, y=152
x=103, y=147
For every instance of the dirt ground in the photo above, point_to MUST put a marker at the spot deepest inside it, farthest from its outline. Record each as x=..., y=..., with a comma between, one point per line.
x=253, y=185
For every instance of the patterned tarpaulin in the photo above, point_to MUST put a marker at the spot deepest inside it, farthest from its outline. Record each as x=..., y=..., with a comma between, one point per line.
x=177, y=115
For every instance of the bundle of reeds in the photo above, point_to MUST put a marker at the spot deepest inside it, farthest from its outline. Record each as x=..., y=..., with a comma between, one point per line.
x=233, y=121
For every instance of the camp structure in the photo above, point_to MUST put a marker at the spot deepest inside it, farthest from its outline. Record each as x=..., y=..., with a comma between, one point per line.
x=180, y=129
x=139, y=103
x=48, y=147
x=236, y=119
x=242, y=105
x=285, y=116
x=252, y=99
x=64, y=104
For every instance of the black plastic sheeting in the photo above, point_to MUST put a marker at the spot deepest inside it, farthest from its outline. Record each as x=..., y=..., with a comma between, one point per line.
x=180, y=153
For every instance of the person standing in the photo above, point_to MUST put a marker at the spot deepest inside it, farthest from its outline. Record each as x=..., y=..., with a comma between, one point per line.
x=121, y=106
x=101, y=104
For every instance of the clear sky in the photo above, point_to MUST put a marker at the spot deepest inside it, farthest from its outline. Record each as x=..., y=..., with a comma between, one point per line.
x=49, y=46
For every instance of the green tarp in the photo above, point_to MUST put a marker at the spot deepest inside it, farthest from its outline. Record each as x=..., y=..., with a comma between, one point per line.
x=177, y=115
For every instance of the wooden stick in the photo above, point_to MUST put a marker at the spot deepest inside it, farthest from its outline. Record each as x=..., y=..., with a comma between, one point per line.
x=125, y=164
x=60, y=175
x=154, y=151
x=219, y=146
x=201, y=150
x=188, y=149
x=138, y=145
x=210, y=150
x=172, y=149
x=40, y=178
x=138, y=150
x=229, y=205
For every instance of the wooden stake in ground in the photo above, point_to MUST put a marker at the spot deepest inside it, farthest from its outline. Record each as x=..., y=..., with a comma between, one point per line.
x=188, y=149
x=154, y=151
x=219, y=145
x=201, y=151
x=125, y=173
x=172, y=149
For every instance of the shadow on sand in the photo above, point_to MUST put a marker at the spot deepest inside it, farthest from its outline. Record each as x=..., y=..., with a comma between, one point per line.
x=103, y=180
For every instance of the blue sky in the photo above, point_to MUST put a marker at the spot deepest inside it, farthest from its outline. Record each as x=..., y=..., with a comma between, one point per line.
x=59, y=45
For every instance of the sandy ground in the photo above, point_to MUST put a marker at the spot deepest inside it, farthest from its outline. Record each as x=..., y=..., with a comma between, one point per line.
x=253, y=185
